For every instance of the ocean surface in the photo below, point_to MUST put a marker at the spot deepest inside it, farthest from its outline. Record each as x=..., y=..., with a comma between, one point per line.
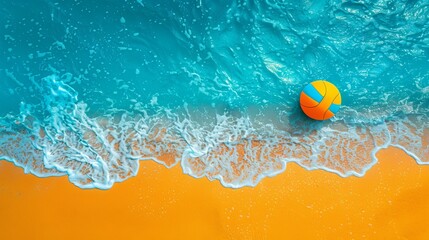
x=90, y=88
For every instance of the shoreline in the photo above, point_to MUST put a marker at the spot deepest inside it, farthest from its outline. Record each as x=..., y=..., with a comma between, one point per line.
x=169, y=161
x=231, y=151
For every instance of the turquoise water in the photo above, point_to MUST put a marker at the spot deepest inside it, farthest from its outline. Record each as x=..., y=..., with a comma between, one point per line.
x=88, y=88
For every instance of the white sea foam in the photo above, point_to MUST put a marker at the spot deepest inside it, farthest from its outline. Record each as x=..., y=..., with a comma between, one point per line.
x=236, y=150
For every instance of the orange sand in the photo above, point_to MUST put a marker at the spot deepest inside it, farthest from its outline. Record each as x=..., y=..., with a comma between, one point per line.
x=390, y=202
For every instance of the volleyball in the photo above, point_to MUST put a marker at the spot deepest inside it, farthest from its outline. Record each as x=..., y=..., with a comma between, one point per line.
x=320, y=100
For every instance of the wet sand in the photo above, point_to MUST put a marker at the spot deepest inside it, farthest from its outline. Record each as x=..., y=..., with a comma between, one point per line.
x=390, y=202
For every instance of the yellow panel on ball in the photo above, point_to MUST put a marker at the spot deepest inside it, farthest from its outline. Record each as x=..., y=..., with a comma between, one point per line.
x=320, y=100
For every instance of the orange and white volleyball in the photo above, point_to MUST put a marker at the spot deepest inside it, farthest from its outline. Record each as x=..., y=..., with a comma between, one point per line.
x=320, y=100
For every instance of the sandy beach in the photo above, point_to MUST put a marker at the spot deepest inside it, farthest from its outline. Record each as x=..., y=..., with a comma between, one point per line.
x=390, y=202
